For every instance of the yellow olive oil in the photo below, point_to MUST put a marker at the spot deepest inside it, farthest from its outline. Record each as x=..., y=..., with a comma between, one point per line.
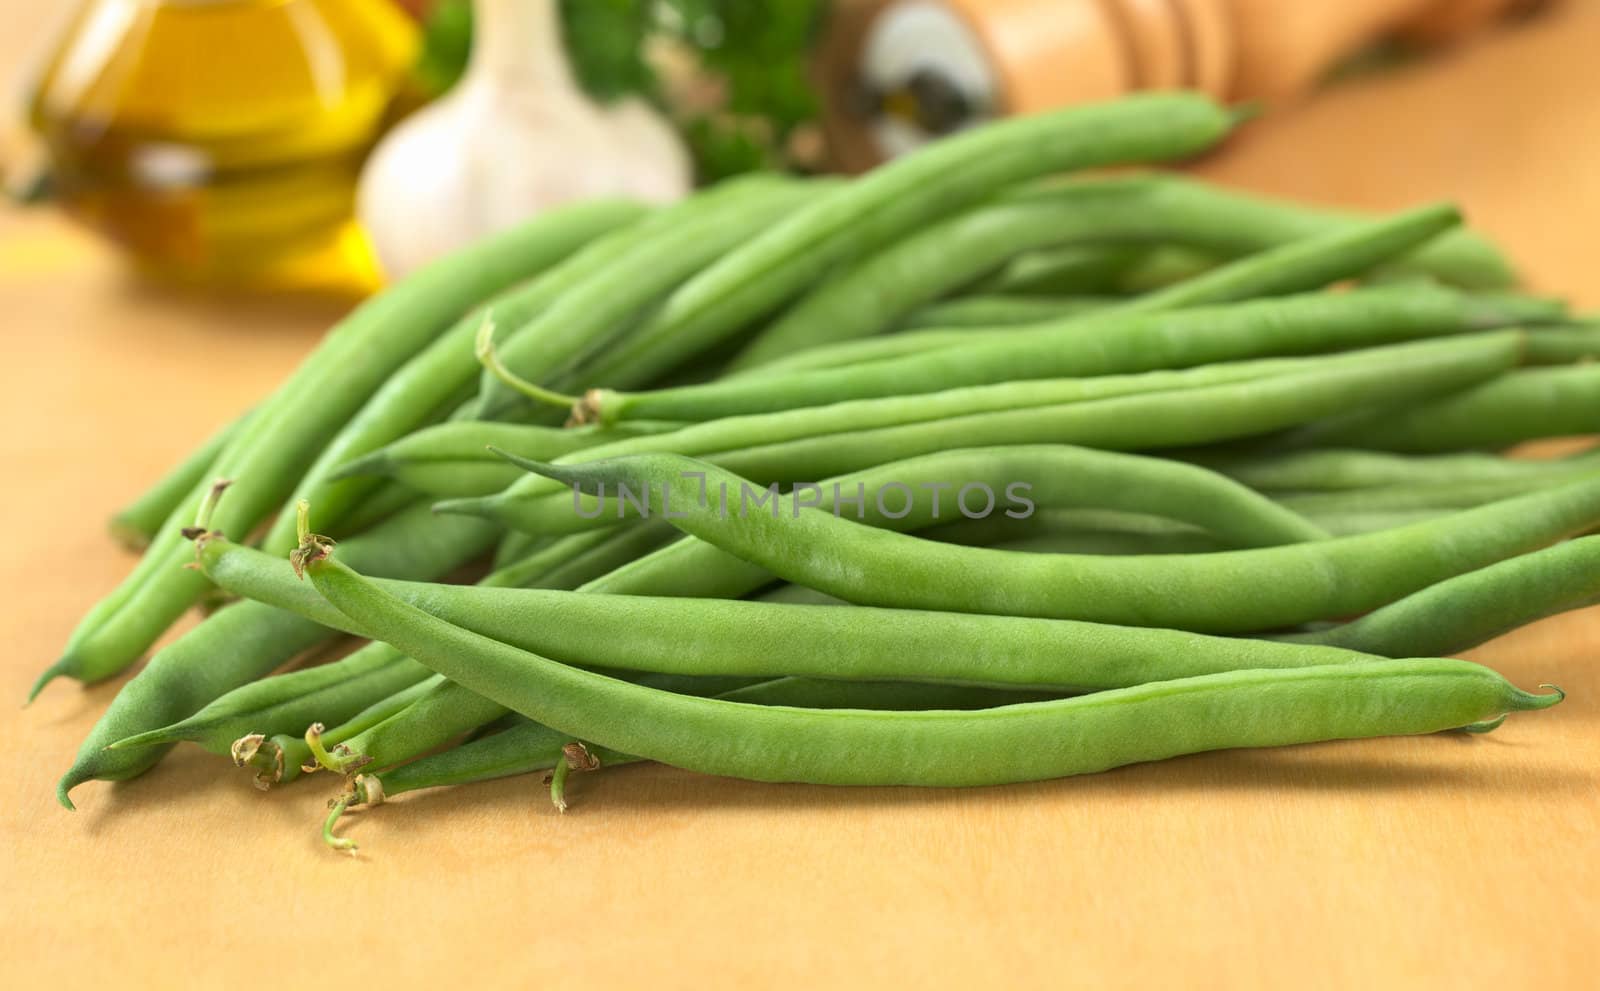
x=219, y=141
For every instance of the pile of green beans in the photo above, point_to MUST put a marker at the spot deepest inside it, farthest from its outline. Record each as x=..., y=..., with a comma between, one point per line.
x=964, y=472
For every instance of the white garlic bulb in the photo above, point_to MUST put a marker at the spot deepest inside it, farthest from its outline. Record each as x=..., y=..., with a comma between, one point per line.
x=515, y=137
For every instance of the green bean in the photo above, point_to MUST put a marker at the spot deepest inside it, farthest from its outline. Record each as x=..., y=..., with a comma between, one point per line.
x=137, y=523
x=754, y=639
x=859, y=352
x=289, y=702
x=285, y=433
x=1001, y=311
x=247, y=640
x=565, y=563
x=1162, y=267
x=527, y=746
x=900, y=197
x=1252, y=398
x=1112, y=343
x=515, y=547
x=440, y=379
x=452, y=459
x=1437, y=499
x=446, y=711
x=1237, y=220
x=1475, y=607
x=1071, y=270
x=1563, y=345
x=281, y=758
x=591, y=313
x=875, y=294
x=1308, y=264
x=787, y=593
x=1028, y=741
x=1338, y=469
x=382, y=504
x=1011, y=481
x=1231, y=591
x=887, y=696
x=1524, y=405
x=1075, y=531
x=590, y=555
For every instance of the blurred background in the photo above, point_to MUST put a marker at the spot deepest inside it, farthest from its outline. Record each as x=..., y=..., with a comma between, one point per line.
x=322, y=145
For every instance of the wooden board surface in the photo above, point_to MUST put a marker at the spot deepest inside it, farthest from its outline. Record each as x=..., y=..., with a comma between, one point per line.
x=1433, y=861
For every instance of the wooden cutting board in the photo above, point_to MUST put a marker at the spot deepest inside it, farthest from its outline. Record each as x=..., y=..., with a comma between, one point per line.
x=1434, y=861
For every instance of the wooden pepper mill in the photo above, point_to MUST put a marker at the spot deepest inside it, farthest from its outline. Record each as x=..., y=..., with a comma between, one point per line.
x=897, y=73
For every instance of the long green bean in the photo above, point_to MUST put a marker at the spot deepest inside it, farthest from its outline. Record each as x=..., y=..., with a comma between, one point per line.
x=1112, y=343
x=1028, y=741
x=1475, y=607
x=1261, y=396
x=902, y=196
x=591, y=313
x=1231, y=591
x=877, y=293
x=1527, y=404
x=1341, y=469
x=452, y=459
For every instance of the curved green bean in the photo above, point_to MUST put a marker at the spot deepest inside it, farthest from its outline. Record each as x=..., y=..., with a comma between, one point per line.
x=1475, y=607
x=283, y=757
x=1524, y=405
x=1022, y=742
x=1231, y=591
x=755, y=639
x=1113, y=343
x=1342, y=469
x=279, y=756
x=1149, y=410
x=1011, y=481
x=1000, y=311
x=1311, y=263
x=1070, y=270
x=452, y=459
x=903, y=196
x=878, y=292
x=859, y=352
x=591, y=312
